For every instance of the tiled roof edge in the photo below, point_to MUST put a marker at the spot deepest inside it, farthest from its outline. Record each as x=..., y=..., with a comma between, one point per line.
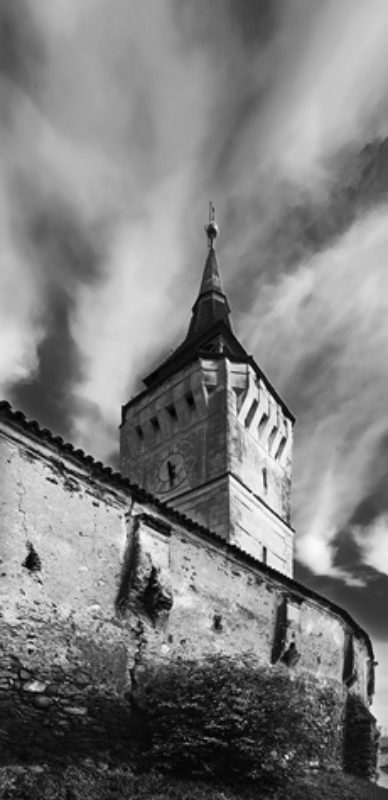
x=116, y=480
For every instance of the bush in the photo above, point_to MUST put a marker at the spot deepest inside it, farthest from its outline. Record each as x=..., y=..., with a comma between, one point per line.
x=233, y=721
x=103, y=782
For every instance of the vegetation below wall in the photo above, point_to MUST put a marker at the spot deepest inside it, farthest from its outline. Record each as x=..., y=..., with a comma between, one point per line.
x=230, y=720
x=219, y=729
x=91, y=782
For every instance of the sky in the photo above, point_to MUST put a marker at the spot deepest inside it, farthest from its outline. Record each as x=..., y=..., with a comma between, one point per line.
x=119, y=121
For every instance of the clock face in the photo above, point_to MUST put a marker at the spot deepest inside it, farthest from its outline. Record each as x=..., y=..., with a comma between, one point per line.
x=171, y=473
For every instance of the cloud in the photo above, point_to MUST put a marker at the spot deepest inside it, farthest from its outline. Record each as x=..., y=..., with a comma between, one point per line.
x=18, y=309
x=302, y=107
x=101, y=153
x=67, y=255
x=372, y=541
x=132, y=312
x=326, y=91
x=333, y=92
x=323, y=335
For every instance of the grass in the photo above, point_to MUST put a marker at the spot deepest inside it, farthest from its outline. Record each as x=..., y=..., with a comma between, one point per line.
x=89, y=781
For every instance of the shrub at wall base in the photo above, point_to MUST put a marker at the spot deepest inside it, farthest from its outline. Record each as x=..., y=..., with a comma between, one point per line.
x=231, y=720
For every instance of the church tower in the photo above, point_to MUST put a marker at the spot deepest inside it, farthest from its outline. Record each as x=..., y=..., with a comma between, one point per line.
x=211, y=436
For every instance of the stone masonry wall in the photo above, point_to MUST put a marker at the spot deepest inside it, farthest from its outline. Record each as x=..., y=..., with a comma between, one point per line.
x=97, y=582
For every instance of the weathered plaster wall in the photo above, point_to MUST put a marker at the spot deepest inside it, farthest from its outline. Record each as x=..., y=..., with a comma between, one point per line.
x=97, y=582
x=222, y=605
x=63, y=655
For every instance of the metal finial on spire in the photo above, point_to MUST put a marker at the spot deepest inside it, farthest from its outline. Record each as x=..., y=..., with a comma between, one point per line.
x=211, y=228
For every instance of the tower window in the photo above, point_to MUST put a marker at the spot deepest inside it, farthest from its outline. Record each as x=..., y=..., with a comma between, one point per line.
x=171, y=469
x=139, y=431
x=280, y=449
x=264, y=555
x=251, y=413
x=217, y=622
x=189, y=397
x=155, y=424
x=171, y=410
x=262, y=424
x=265, y=478
x=272, y=437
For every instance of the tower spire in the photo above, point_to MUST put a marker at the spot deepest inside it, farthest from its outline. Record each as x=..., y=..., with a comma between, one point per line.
x=210, y=330
x=211, y=305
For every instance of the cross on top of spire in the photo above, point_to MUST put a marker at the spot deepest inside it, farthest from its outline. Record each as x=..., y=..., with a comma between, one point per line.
x=211, y=228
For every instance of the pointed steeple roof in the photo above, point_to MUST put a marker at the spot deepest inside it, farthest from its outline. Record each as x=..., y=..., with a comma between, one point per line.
x=210, y=331
x=211, y=304
x=211, y=278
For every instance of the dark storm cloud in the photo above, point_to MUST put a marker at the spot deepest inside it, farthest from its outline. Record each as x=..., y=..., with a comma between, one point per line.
x=216, y=24
x=306, y=225
x=365, y=605
x=375, y=500
x=22, y=50
x=62, y=244
x=257, y=22
x=311, y=377
x=44, y=396
x=348, y=555
x=66, y=255
x=235, y=37
x=58, y=251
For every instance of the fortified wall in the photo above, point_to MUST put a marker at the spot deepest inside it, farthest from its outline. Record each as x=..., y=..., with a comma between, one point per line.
x=99, y=580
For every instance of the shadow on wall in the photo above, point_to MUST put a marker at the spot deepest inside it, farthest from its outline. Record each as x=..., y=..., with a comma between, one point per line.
x=361, y=738
x=283, y=651
x=62, y=720
x=145, y=587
